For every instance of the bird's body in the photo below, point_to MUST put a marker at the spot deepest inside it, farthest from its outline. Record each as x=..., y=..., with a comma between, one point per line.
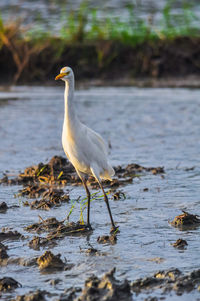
x=85, y=149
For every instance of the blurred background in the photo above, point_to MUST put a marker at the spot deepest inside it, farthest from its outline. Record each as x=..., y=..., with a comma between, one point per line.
x=147, y=37
x=53, y=13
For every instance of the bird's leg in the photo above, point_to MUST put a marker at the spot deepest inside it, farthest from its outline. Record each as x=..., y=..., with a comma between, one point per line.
x=84, y=181
x=108, y=206
x=88, y=197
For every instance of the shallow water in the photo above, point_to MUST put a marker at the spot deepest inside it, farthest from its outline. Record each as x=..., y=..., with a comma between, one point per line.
x=152, y=127
x=51, y=15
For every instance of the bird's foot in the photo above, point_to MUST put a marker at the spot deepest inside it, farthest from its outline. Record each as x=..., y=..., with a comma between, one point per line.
x=114, y=230
x=88, y=226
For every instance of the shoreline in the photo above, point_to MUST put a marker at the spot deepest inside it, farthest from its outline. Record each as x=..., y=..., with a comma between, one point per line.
x=159, y=63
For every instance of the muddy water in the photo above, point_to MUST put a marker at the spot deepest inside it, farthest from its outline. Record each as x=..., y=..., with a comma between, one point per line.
x=152, y=127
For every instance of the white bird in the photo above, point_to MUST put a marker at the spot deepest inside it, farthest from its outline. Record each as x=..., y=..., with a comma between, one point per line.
x=84, y=148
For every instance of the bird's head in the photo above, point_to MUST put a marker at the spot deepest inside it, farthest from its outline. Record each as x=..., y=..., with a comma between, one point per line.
x=65, y=74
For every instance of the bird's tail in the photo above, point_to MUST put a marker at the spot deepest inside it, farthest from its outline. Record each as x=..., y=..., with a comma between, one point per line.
x=108, y=173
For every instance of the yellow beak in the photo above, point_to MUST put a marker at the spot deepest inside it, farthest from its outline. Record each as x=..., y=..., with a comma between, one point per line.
x=61, y=75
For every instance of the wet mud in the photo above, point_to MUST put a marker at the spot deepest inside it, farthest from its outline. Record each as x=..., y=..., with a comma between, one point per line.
x=171, y=280
x=112, y=239
x=105, y=288
x=108, y=287
x=186, y=221
x=8, y=284
x=44, y=187
x=180, y=244
x=3, y=254
x=44, y=181
x=3, y=207
x=10, y=235
x=56, y=229
x=50, y=197
x=49, y=262
x=35, y=296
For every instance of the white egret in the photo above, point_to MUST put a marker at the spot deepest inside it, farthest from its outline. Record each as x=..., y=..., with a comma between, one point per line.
x=84, y=148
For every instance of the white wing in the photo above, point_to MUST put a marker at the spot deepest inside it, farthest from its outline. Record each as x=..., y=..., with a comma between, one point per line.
x=97, y=139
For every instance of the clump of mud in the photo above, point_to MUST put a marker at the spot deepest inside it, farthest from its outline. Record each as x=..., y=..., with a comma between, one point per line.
x=105, y=288
x=44, y=225
x=8, y=284
x=35, y=296
x=118, y=195
x=55, y=229
x=3, y=254
x=4, y=235
x=185, y=221
x=51, y=197
x=3, y=207
x=69, y=294
x=38, y=242
x=111, y=239
x=50, y=262
x=59, y=171
x=180, y=244
x=171, y=280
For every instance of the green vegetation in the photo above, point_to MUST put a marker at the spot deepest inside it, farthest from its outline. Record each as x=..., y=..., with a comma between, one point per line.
x=84, y=26
x=32, y=48
x=83, y=204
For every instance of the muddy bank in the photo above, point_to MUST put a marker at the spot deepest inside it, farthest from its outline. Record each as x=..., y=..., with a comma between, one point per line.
x=109, y=288
x=150, y=63
x=59, y=171
x=45, y=182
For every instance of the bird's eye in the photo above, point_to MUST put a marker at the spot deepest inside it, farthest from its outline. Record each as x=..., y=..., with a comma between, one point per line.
x=68, y=72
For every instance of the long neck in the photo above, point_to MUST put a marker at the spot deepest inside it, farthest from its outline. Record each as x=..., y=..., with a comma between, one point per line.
x=70, y=114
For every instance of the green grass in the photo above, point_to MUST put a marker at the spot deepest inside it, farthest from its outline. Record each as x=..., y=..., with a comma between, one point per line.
x=83, y=204
x=85, y=26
